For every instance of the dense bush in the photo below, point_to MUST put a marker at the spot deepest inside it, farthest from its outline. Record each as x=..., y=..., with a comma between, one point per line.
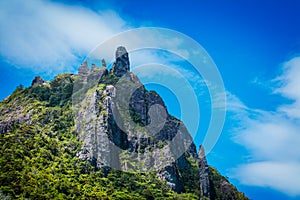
x=38, y=161
x=38, y=153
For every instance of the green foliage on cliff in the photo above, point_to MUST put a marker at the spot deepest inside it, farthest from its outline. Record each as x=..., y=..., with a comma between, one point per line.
x=38, y=165
x=38, y=159
x=221, y=189
x=38, y=146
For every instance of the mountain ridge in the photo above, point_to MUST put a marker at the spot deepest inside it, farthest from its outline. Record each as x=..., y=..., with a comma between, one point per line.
x=80, y=110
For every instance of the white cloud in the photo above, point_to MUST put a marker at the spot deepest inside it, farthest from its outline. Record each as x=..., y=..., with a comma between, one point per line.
x=277, y=175
x=272, y=137
x=234, y=104
x=52, y=37
x=290, y=83
x=48, y=36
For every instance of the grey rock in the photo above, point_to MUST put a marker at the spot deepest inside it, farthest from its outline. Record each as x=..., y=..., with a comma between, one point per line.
x=121, y=65
x=103, y=63
x=146, y=138
x=204, y=173
x=37, y=81
x=83, y=71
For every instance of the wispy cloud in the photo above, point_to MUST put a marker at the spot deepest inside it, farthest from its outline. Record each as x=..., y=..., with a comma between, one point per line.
x=48, y=36
x=53, y=37
x=282, y=176
x=289, y=87
x=272, y=137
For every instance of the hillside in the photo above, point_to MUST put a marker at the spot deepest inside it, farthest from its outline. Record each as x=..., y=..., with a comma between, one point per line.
x=100, y=134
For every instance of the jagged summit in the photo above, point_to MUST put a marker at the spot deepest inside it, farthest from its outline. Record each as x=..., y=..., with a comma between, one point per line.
x=37, y=81
x=93, y=74
x=83, y=69
x=121, y=65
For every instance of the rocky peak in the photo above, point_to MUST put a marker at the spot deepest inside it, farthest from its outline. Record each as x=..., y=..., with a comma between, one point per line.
x=94, y=74
x=83, y=69
x=121, y=65
x=37, y=81
x=103, y=63
x=143, y=135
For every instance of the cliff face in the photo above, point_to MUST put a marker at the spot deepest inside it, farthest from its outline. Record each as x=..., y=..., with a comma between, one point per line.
x=120, y=125
x=128, y=128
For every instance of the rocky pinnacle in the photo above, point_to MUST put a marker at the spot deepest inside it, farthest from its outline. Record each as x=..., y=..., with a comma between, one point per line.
x=121, y=65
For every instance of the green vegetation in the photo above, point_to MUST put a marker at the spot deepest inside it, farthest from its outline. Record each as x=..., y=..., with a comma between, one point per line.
x=221, y=189
x=38, y=160
x=61, y=90
x=109, y=79
x=38, y=146
x=190, y=174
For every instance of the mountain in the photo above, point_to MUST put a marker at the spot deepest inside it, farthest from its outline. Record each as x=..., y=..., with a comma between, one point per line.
x=100, y=134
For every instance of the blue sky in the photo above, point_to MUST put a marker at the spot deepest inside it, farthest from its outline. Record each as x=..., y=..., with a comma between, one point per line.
x=255, y=45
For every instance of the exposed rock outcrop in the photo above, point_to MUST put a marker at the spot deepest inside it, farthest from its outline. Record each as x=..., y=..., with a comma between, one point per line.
x=90, y=76
x=204, y=173
x=121, y=65
x=37, y=81
x=103, y=63
x=127, y=127
x=83, y=71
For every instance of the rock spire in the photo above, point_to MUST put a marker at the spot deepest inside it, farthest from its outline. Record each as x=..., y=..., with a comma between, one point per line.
x=121, y=65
